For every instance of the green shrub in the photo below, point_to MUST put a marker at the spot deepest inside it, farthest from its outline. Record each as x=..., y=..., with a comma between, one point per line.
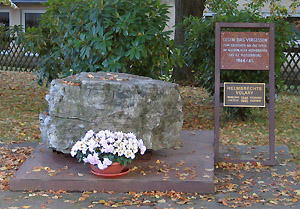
x=8, y=34
x=199, y=48
x=98, y=35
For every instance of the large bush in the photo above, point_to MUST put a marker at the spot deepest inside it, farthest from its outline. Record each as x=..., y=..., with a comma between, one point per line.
x=98, y=35
x=199, y=48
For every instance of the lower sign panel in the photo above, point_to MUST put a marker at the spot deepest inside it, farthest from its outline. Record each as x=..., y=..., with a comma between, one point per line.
x=244, y=95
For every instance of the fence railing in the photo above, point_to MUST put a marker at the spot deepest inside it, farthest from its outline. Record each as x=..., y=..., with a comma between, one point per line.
x=13, y=57
x=290, y=69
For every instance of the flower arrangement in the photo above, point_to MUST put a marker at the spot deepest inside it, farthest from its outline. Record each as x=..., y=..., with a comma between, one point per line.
x=106, y=147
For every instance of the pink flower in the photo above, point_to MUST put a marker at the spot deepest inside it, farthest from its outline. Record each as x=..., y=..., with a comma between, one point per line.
x=107, y=149
x=142, y=146
x=110, y=149
x=111, y=140
x=143, y=149
x=92, y=144
x=131, y=135
x=140, y=143
x=107, y=162
x=103, y=142
x=89, y=134
x=101, y=166
x=93, y=159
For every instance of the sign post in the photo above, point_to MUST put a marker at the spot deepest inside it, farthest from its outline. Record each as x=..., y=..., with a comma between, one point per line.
x=245, y=51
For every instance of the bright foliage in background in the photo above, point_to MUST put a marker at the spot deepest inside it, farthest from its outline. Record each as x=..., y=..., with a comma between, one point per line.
x=8, y=3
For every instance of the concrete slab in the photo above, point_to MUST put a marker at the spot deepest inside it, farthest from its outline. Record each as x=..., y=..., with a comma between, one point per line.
x=189, y=168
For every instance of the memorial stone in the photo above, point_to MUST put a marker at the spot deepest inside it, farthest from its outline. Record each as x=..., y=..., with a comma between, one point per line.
x=149, y=108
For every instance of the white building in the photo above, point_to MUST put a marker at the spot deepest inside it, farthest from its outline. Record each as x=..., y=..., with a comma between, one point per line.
x=27, y=13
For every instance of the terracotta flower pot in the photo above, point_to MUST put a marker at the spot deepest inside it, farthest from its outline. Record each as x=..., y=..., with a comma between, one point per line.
x=114, y=168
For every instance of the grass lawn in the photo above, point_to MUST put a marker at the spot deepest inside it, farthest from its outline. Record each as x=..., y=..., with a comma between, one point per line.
x=21, y=101
x=199, y=114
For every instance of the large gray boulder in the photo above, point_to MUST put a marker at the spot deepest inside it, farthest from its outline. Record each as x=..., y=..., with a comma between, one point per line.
x=151, y=109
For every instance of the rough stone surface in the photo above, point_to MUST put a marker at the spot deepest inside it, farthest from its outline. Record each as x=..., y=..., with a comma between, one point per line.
x=149, y=108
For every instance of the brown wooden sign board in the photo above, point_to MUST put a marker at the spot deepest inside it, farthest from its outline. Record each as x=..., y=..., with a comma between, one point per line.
x=245, y=51
x=244, y=95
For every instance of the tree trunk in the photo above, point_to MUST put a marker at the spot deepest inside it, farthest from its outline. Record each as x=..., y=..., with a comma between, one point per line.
x=185, y=8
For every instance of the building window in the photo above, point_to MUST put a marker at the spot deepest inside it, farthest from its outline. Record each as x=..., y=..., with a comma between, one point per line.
x=4, y=18
x=31, y=18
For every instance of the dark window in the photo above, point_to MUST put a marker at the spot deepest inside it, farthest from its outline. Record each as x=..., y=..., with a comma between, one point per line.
x=4, y=18
x=32, y=19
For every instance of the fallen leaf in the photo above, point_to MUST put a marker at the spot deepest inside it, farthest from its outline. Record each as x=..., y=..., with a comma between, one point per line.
x=181, y=202
x=260, y=182
x=91, y=76
x=274, y=202
x=161, y=201
x=99, y=202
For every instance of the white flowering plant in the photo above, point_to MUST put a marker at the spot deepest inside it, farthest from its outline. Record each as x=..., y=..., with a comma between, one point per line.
x=106, y=147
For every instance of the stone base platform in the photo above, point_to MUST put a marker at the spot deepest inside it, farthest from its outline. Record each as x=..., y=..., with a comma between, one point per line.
x=189, y=168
